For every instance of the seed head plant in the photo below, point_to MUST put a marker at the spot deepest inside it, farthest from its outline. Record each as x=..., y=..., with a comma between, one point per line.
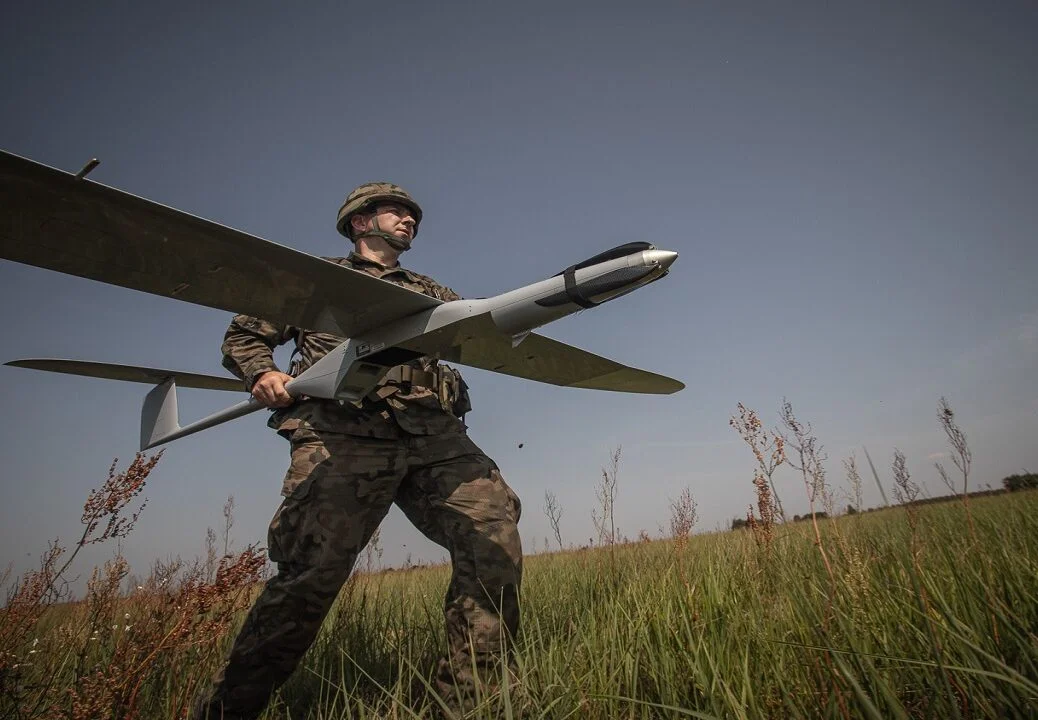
x=854, y=481
x=32, y=595
x=961, y=457
x=372, y=553
x=682, y=520
x=811, y=457
x=855, y=558
x=107, y=506
x=107, y=515
x=767, y=447
x=228, y=523
x=210, y=553
x=906, y=491
x=110, y=653
x=604, y=517
x=682, y=516
x=553, y=510
x=763, y=526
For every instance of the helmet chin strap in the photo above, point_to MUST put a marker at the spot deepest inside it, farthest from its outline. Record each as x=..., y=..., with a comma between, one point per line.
x=398, y=244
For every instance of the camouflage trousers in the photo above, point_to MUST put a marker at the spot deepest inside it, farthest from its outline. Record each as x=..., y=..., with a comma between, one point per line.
x=336, y=492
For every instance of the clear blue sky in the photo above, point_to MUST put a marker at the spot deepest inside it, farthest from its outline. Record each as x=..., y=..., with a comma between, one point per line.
x=853, y=189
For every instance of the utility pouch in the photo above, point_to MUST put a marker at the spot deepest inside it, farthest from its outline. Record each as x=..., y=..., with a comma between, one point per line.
x=453, y=392
x=462, y=404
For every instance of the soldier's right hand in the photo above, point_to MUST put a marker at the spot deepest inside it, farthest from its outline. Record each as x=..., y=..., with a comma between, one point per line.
x=269, y=389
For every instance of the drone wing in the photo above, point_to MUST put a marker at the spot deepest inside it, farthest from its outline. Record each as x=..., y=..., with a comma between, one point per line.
x=476, y=342
x=130, y=373
x=549, y=361
x=58, y=221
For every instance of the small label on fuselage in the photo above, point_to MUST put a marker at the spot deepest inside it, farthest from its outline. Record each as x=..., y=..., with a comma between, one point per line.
x=368, y=348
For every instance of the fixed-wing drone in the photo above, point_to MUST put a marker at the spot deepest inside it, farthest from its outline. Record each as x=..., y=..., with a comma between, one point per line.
x=64, y=222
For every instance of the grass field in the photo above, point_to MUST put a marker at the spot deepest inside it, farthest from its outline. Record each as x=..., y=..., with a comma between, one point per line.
x=917, y=616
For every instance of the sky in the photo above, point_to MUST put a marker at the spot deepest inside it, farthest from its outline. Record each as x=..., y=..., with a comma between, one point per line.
x=852, y=188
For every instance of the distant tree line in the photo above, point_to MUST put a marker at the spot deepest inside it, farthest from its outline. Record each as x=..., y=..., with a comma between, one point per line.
x=1028, y=481
x=1012, y=483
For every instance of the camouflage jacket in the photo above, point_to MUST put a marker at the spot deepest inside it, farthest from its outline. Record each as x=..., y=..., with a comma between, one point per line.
x=248, y=351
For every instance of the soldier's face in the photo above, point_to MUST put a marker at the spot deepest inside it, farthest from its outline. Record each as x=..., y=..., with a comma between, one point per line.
x=396, y=219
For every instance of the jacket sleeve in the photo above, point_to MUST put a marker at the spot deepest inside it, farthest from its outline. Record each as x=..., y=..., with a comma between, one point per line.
x=447, y=295
x=433, y=288
x=248, y=346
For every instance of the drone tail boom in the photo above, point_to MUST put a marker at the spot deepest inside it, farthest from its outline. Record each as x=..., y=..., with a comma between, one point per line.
x=160, y=422
x=159, y=417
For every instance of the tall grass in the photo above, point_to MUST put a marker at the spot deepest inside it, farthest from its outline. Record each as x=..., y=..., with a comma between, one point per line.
x=912, y=611
x=717, y=627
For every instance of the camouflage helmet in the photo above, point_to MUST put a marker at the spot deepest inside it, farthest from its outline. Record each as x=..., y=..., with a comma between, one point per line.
x=369, y=194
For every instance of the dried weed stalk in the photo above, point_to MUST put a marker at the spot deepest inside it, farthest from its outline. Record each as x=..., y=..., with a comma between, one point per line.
x=32, y=595
x=961, y=457
x=763, y=528
x=228, y=523
x=683, y=513
x=810, y=456
x=604, y=516
x=906, y=491
x=553, y=509
x=854, y=480
x=855, y=562
x=25, y=684
x=96, y=658
x=768, y=448
x=210, y=553
x=108, y=505
x=174, y=619
x=373, y=552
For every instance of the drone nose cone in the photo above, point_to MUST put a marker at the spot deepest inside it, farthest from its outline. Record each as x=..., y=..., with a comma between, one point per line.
x=663, y=258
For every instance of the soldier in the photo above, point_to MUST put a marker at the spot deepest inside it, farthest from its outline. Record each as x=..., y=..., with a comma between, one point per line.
x=404, y=443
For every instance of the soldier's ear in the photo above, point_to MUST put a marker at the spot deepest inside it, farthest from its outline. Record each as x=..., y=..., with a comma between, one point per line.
x=359, y=221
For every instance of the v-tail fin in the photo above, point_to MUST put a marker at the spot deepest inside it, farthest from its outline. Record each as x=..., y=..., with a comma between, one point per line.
x=159, y=418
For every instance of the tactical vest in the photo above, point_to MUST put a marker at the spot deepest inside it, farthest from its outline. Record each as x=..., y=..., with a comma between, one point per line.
x=445, y=382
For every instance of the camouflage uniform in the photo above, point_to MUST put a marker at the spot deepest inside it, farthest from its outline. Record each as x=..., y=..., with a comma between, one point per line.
x=350, y=462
